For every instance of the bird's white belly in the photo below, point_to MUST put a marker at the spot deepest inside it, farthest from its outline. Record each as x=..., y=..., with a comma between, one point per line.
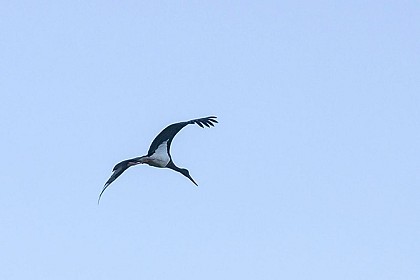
x=160, y=157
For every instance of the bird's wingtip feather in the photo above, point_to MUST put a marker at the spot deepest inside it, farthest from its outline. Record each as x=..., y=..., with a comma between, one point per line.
x=103, y=189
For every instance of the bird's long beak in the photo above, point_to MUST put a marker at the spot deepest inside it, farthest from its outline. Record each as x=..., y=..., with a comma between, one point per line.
x=192, y=180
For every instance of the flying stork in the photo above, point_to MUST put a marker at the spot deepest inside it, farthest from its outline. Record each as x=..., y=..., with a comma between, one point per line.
x=159, y=154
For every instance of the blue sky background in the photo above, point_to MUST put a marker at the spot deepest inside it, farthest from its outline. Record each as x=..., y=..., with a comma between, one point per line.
x=312, y=172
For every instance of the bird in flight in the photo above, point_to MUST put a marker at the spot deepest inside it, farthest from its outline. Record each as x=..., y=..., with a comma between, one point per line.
x=159, y=154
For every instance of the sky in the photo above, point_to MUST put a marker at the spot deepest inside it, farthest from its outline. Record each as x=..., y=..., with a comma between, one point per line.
x=311, y=173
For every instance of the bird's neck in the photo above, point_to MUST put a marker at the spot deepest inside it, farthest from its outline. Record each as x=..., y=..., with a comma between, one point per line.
x=172, y=166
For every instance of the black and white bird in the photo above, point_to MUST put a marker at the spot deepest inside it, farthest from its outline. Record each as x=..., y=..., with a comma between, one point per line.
x=159, y=154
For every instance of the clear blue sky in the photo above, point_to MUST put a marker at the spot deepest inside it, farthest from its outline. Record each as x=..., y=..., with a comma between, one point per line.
x=312, y=173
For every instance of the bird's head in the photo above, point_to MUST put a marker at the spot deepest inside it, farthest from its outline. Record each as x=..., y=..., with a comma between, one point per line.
x=186, y=173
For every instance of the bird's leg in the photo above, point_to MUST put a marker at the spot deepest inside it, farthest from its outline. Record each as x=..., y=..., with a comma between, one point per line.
x=137, y=160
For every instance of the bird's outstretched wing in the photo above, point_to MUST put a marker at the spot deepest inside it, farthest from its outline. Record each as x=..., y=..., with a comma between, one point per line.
x=116, y=172
x=166, y=135
x=170, y=131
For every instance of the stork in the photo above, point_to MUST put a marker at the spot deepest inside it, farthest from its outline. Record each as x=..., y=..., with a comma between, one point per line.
x=159, y=154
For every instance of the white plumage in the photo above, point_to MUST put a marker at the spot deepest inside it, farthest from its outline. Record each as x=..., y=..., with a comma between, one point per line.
x=160, y=158
x=159, y=151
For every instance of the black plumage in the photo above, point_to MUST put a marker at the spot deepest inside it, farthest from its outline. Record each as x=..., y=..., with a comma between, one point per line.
x=159, y=151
